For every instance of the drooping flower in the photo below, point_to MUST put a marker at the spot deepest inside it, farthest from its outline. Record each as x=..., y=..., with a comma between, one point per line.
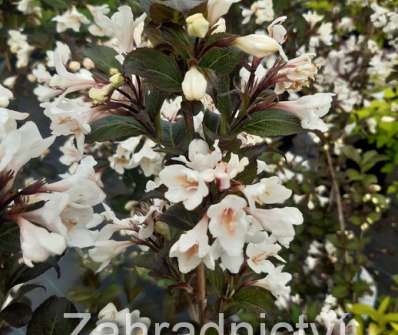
x=229, y=224
x=192, y=248
x=309, y=109
x=194, y=84
x=267, y=191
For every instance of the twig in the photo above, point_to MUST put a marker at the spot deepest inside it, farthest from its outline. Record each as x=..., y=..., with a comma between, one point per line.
x=336, y=189
x=201, y=292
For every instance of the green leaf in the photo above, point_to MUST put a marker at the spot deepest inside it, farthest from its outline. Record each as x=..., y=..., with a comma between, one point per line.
x=115, y=128
x=221, y=60
x=56, y=4
x=174, y=136
x=103, y=57
x=16, y=314
x=254, y=298
x=48, y=319
x=159, y=70
x=9, y=237
x=179, y=217
x=272, y=122
x=364, y=310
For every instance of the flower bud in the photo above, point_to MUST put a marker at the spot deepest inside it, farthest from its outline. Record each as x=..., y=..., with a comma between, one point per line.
x=116, y=80
x=88, y=63
x=74, y=66
x=257, y=45
x=218, y=8
x=197, y=25
x=99, y=95
x=194, y=84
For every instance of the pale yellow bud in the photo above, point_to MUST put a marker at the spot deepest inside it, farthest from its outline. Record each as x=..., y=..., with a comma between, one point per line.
x=197, y=25
x=88, y=63
x=117, y=80
x=74, y=66
x=100, y=95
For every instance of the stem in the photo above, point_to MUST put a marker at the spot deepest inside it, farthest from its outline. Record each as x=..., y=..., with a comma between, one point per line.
x=201, y=292
x=336, y=188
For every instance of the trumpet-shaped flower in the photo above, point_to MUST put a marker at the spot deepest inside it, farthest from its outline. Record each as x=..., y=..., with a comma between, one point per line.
x=225, y=172
x=276, y=281
x=267, y=191
x=192, y=248
x=279, y=222
x=259, y=253
x=184, y=185
x=37, y=243
x=229, y=223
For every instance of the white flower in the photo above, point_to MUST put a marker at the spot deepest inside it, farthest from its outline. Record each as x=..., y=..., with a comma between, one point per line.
x=37, y=243
x=28, y=7
x=71, y=155
x=231, y=263
x=313, y=18
x=184, y=185
x=124, y=319
x=262, y=9
x=225, y=172
x=70, y=19
x=277, y=31
x=258, y=45
x=21, y=145
x=69, y=117
x=197, y=25
x=63, y=53
x=267, y=191
x=201, y=158
x=259, y=253
x=279, y=222
x=261, y=71
x=45, y=93
x=19, y=45
x=192, y=248
x=66, y=80
x=194, y=84
x=170, y=109
x=41, y=74
x=309, y=109
x=296, y=74
x=5, y=96
x=228, y=223
x=97, y=12
x=218, y=8
x=82, y=186
x=121, y=27
x=276, y=281
x=8, y=120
